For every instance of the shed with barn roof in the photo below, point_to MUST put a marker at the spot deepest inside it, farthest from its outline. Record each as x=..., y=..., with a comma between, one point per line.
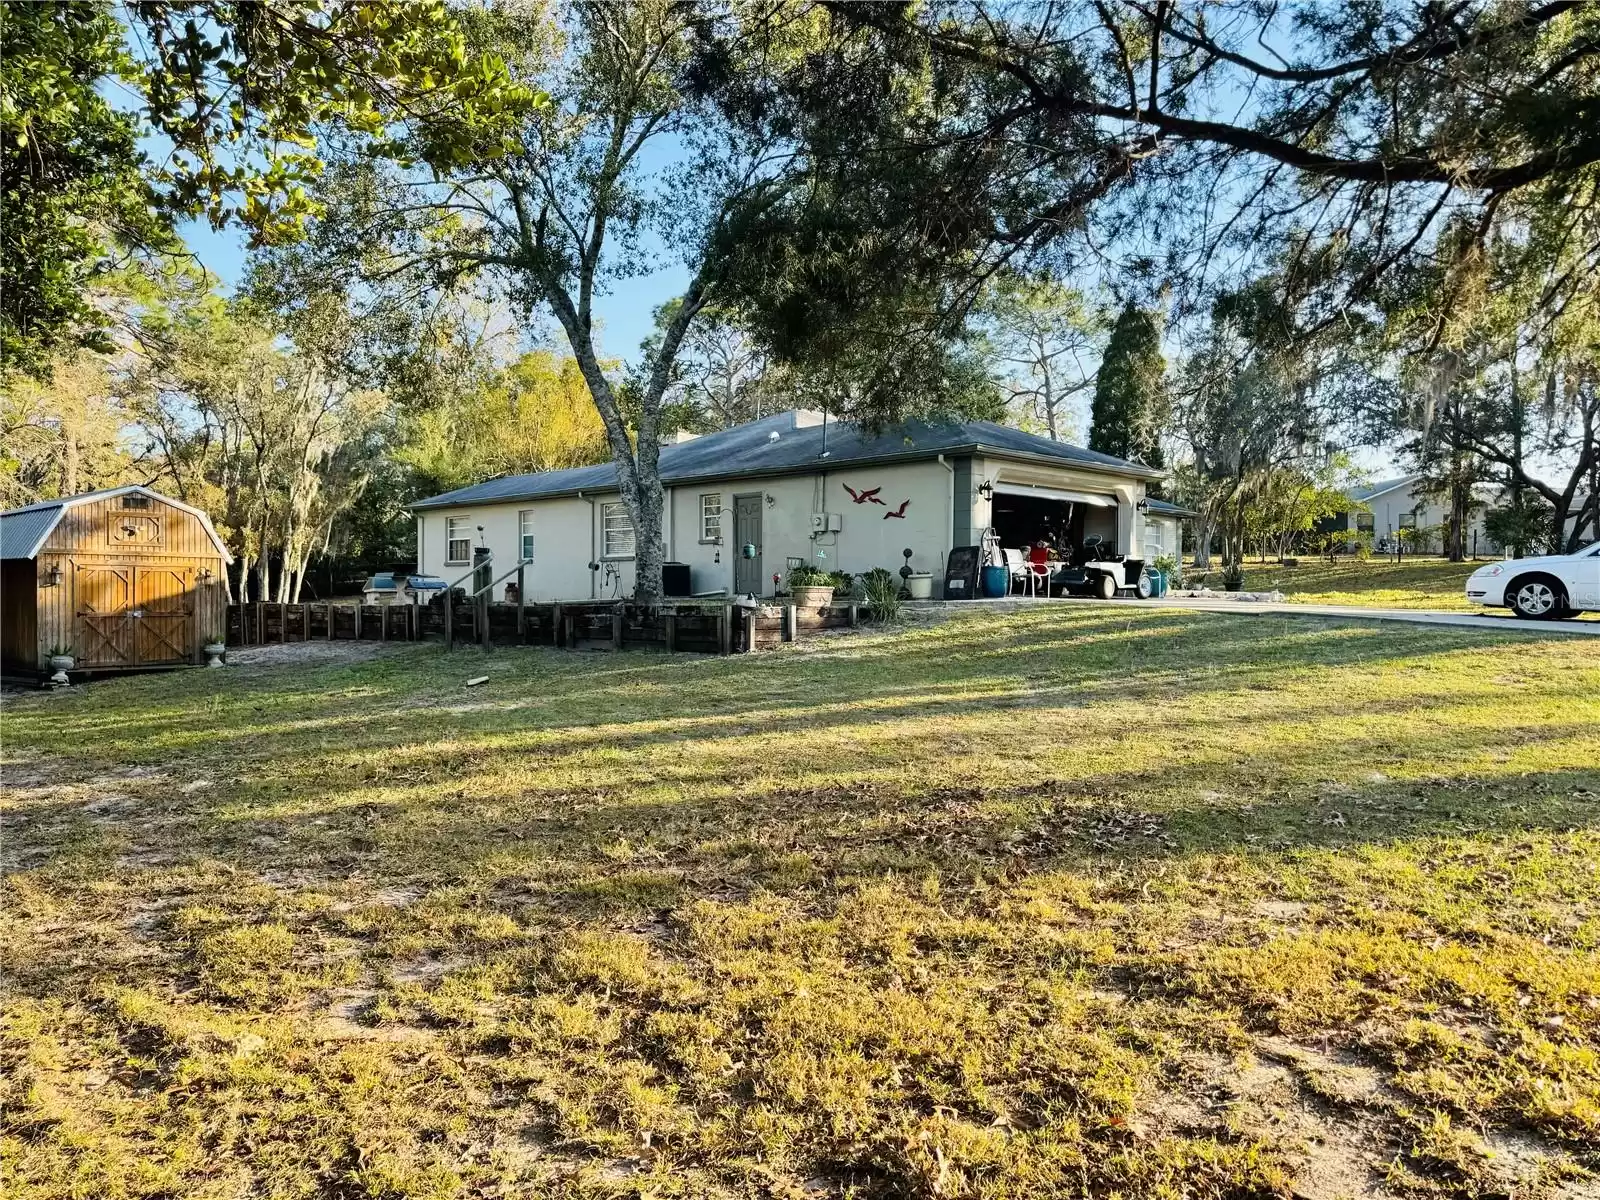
x=119, y=579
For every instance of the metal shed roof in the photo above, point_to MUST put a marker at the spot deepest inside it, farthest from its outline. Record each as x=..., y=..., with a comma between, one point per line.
x=24, y=531
x=779, y=445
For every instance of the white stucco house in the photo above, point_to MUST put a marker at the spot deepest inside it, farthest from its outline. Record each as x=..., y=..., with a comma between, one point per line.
x=1403, y=503
x=798, y=488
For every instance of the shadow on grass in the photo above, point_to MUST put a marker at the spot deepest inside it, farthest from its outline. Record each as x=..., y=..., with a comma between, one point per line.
x=415, y=699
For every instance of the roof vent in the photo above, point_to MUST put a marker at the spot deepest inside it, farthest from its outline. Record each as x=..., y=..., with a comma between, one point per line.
x=773, y=436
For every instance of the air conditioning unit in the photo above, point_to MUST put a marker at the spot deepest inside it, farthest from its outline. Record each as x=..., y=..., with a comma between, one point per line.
x=826, y=522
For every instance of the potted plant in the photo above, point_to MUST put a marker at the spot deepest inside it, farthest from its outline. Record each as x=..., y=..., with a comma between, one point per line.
x=215, y=648
x=810, y=587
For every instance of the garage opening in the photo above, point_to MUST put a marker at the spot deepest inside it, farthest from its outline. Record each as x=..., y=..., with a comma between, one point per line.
x=1023, y=516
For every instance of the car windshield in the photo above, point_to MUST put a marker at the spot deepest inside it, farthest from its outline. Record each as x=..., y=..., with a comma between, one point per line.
x=1594, y=549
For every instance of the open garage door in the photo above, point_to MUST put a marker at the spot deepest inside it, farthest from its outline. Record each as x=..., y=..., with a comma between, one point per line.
x=1023, y=515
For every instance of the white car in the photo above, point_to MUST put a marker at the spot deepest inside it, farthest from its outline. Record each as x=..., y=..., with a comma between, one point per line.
x=1553, y=585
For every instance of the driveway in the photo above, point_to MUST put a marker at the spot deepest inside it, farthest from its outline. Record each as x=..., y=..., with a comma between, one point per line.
x=1498, y=619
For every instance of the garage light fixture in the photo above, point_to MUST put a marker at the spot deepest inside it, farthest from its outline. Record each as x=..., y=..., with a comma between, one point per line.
x=54, y=577
x=986, y=490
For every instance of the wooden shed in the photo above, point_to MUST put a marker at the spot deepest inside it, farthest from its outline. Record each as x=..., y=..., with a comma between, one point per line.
x=125, y=578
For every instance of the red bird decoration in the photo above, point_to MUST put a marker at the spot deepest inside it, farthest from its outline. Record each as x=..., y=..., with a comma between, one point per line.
x=897, y=512
x=864, y=496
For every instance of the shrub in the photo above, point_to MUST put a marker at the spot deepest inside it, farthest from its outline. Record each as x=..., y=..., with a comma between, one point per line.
x=881, y=590
x=843, y=582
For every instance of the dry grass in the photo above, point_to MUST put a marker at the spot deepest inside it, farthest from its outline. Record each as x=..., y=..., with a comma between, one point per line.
x=1069, y=902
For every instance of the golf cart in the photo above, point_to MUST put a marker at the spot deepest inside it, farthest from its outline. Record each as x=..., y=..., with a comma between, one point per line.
x=1097, y=570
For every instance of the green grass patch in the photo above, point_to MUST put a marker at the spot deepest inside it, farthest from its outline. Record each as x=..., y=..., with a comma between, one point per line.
x=1071, y=901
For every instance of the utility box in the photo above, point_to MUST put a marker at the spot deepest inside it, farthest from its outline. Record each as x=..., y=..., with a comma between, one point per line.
x=826, y=522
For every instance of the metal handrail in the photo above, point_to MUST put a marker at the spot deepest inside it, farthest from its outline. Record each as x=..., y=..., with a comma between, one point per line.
x=521, y=562
x=475, y=568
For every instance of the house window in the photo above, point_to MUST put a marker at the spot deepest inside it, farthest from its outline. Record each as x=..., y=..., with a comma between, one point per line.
x=525, y=534
x=1408, y=520
x=1364, y=522
x=616, y=531
x=135, y=502
x=711, y=516
x=458, y=539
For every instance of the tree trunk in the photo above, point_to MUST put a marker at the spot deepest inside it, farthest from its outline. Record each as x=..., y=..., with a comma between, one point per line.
x=1456, y=530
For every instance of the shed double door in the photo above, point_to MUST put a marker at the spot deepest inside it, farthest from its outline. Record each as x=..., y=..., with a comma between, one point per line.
x=133, y=616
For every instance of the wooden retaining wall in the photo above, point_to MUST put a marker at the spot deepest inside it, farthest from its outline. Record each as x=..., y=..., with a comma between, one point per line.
x=697, y=628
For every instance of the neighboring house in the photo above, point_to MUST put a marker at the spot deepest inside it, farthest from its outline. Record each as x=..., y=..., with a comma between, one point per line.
x=119, y=578
x=1397, y=504
x=1163, y=528
x=1575, y=513
x=796, y=488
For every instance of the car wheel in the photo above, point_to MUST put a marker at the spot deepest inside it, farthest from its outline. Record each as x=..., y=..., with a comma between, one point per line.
x=1144, y=588
x=1536, y=598
x=1106, y=587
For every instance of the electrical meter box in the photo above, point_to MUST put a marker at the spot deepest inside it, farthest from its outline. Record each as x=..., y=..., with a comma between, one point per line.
x=826, y=522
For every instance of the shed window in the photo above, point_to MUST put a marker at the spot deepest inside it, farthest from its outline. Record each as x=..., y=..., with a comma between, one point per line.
x=458, y=539
x=525, y=534
x=1364, y=522
x=1408, y=520
x=711, y=516
x=136, y=501
x=617, y=531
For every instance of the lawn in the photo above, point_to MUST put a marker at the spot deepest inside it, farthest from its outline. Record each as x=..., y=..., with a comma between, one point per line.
x=1139, y=903
x=1379, y=583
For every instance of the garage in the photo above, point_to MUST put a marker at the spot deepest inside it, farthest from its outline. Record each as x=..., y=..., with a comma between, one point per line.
x=1024, y=514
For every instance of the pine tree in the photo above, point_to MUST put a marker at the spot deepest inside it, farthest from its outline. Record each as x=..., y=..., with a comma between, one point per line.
x=1130, y=405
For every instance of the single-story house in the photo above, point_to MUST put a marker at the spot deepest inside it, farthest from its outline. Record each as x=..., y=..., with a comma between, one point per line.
x=1392, y=505
x=120, y=578
x=796, y=487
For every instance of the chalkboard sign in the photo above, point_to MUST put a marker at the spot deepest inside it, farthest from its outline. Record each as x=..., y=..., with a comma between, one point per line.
x=961, y=573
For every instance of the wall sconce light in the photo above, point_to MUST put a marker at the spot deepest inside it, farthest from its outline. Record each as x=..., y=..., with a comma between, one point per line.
x=986, y=490
x=772, y=501
x=1143, y=505
x=53, y=579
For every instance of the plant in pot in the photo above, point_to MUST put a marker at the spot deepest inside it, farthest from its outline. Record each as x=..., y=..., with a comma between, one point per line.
x=215, y=647
x=810, y=587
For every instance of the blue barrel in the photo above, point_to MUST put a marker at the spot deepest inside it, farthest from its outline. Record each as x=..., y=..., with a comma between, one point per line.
x=995, y=581
x=1158, y=584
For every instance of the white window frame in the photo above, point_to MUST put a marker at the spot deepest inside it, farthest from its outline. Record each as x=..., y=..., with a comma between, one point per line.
x=615, y=522
x=450, y=540
x=525, y=534
x=710, y=517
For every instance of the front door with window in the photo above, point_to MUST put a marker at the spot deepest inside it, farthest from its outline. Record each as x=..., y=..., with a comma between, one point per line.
x=133, y=616
x=747, y=578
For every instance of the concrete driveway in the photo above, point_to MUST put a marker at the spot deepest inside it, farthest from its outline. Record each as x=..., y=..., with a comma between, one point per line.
x=1498, y=619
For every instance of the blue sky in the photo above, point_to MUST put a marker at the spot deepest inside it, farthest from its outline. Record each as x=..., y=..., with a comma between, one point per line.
x=625, y=313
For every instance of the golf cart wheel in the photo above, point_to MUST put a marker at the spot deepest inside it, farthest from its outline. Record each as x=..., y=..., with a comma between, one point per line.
x=1144, y=589
x=1537, y=598
x=1106, y=587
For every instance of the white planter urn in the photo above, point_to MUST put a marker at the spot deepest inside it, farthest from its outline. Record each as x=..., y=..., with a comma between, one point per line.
x=60, y=664
x=214, y=652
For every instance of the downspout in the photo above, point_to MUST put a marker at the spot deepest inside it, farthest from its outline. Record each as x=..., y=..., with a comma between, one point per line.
x=593, y=581
x=949, y=514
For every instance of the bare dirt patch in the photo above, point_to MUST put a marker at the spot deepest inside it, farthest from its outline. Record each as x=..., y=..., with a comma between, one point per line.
x=291, y=654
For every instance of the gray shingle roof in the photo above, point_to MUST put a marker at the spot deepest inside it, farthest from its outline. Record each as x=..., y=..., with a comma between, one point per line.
x=751, y=450
x=1383, y=485
x=1169, y=510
